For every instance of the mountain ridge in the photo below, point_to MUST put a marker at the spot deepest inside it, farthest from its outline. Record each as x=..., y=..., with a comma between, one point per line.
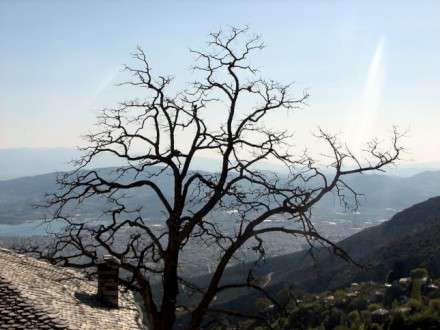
x=412, y=242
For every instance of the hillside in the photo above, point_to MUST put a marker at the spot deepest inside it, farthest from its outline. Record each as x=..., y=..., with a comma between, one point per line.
x=404, y=304
x=408, y=240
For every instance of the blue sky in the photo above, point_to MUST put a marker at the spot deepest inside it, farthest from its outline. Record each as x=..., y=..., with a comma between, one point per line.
x=367, y=66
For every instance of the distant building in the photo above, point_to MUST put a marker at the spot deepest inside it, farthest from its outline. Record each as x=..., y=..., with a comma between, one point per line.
x=37, y=295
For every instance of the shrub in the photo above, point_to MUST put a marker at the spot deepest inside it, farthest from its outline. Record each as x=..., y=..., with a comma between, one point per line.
x=423, y=321
x=390, y=295
x=358, y=303
x=342, y=327
x=398, y=322
x=416, y=289
x=354, y=319
x=373, y=307
x=415, y=305
x=340, y=294
x=376, y=326
x=307, y=315
x=333, y=318
x=419, y=273
x=366, y=316
x=281, y=323
x=434, y=304
x=283, y=295
x=261, y=304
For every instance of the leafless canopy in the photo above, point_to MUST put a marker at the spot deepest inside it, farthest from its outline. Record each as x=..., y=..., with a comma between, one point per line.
x=147, y=134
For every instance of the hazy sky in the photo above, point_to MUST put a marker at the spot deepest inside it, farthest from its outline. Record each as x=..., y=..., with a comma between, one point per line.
x=367, y=66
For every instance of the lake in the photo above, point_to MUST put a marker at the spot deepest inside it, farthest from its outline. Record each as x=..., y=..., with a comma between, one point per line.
x=29, y=228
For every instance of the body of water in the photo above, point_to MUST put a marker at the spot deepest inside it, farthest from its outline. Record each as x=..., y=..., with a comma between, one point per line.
x=30, y=228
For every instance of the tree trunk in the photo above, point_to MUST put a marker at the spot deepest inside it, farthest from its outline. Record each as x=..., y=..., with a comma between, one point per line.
x=196, y=320
x=170, y=285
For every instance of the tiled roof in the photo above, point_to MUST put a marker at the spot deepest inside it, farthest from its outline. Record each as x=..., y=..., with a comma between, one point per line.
x=50, y=297
x=16, y=313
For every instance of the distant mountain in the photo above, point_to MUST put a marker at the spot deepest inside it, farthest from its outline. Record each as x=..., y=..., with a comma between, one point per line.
x=18, y=198
x=379, y=192
x=15, y=163
x=19, y=162
x=410, y=169
x=385, y=191
x=409, y=240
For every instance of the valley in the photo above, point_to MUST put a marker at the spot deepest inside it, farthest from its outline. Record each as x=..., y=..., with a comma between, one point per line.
x=383, y=197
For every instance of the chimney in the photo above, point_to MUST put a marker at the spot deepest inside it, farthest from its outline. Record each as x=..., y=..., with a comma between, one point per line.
x=108, y=281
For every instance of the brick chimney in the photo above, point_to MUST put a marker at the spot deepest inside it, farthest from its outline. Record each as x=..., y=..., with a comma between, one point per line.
x=108, y=281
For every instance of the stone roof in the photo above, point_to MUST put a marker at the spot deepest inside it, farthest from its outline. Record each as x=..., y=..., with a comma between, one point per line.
x=37, y=295
x=16, y=313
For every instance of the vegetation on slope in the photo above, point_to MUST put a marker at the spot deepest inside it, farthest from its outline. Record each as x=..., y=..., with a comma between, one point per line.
x=405, y=303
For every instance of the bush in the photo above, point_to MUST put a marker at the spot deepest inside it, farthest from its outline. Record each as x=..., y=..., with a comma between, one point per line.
x=373, y=307
x=415, y=305
x=342, y=327
x=340, y=294
x=390, y=295
x=376, y=326
x=434, y=304
x=354, y=319
x=333, y=318
x=398, y=322
x=307, y=315
x=419, y=273
x=281, y=323
x=416, y=289
x=261, y=304
x=423, y=321
x=358, y=303
x=283, y=296
x=366, y=316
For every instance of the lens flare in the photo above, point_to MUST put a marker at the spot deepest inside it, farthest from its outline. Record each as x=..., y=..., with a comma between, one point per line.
x=372, y=96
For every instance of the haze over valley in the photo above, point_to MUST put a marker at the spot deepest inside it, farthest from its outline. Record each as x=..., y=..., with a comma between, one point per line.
x=383, y=196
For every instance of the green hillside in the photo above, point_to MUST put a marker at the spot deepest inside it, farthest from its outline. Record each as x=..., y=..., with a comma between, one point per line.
x=408, y=240
x=404, y=304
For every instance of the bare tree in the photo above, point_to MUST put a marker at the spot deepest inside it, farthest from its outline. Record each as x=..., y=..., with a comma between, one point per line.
x=161, y=135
